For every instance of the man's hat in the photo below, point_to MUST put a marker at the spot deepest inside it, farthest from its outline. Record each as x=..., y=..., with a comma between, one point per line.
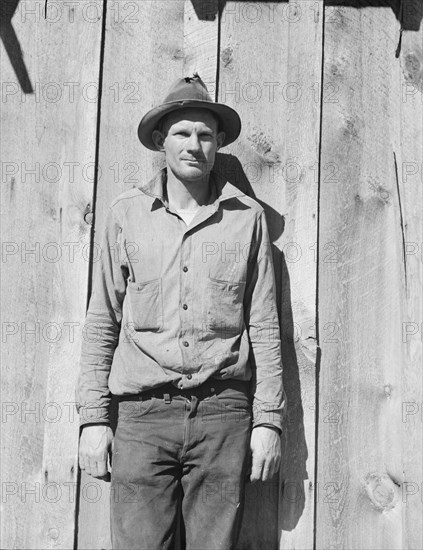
x=189, y=92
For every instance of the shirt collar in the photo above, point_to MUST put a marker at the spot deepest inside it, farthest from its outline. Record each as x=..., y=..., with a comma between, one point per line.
x=221, y=188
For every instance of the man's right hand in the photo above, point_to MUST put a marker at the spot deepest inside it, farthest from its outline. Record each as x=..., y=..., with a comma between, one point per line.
x=95, y=443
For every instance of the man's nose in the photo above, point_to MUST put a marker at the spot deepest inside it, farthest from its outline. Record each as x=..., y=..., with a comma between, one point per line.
x=193, y=142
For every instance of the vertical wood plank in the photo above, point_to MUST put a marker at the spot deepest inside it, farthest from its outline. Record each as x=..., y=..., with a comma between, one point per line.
x=49, y=113
x=301, y=128
x=409, y=160
x=363, y=289
x=143, y=55
x=201, y=28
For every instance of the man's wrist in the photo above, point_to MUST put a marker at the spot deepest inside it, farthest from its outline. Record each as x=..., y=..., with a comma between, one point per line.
x=95, y=424
x=271, y=426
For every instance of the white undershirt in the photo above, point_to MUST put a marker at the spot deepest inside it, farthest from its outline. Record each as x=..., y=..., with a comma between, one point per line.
x=186, y=214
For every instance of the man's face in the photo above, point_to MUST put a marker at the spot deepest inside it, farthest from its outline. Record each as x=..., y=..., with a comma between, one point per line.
x=190, y=139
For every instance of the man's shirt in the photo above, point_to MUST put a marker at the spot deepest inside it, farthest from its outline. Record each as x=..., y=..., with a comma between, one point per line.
x=180, y=304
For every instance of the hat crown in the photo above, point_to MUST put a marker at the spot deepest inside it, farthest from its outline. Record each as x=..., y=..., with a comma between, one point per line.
x=188, y=88
x=189, y=92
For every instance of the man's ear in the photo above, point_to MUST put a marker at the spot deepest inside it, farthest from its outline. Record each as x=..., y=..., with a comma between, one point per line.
x=158, y=139
x=220, y=138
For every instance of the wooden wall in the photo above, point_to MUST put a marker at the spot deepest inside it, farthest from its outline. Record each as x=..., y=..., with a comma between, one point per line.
x=50, y=73
x=370, y=283
x=330, y=95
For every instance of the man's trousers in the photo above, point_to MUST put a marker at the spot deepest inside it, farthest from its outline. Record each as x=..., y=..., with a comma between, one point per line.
x=181, y=452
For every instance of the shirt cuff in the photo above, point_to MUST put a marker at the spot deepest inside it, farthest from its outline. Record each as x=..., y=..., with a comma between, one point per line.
x=93, y=415
x=269, y=425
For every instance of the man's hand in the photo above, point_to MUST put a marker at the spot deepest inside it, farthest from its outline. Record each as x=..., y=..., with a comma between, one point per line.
x=266, y=449
x=94, y=446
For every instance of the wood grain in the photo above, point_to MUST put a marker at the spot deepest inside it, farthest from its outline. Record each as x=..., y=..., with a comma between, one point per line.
x=409, y=161
x=362, y=287
x=301, y=129
x=48, y=145
x=201, y=34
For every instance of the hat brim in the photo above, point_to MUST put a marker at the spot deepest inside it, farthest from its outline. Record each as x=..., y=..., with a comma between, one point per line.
x=229, y=121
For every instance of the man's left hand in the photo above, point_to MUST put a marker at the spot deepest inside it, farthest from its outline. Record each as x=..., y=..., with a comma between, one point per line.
x=266, y=453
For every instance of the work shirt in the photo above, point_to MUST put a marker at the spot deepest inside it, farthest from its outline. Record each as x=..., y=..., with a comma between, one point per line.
x=182, y=303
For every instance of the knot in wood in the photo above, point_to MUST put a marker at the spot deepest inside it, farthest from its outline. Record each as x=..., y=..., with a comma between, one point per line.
x=381, y=491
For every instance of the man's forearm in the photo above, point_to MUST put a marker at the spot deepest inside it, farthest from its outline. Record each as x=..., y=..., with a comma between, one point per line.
x=92, y=392
x=102, y=328
x=264, y=332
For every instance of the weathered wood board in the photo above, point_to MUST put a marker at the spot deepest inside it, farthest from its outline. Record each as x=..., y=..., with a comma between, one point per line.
x=409, y=164
x=49, y=113
x=364, y=297
x=300, y=126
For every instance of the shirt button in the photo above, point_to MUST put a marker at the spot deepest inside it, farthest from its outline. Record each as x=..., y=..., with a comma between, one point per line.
x=186, y=344
x=185, y=306
x=189, y=376
x=185, y=268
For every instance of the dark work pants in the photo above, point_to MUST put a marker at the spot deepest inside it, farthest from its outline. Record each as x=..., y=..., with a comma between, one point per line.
x=181, y=450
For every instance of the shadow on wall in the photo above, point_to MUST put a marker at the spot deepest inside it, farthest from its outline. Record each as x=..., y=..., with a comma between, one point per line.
x=12, y=45
x=408, y=12
x=295, y=452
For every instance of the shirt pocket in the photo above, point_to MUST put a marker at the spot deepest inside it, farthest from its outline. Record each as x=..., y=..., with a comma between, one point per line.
x=224, y=310
x=145, y=305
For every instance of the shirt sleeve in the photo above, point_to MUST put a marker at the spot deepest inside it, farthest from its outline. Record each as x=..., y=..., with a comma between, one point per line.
x=102, y=325
x=262, y=322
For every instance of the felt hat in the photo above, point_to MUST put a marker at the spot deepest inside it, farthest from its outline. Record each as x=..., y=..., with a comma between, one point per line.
x=189, y=92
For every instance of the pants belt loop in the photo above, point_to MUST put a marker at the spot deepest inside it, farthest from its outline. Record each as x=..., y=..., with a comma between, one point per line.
x=167, y=398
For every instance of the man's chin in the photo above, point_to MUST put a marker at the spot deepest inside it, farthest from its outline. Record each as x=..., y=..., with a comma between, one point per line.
x=194, y=173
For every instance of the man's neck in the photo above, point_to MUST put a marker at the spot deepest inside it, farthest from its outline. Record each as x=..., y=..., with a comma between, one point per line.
x=187, y=195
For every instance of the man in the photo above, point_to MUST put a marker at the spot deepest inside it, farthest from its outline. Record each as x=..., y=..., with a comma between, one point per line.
x=187, y=338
